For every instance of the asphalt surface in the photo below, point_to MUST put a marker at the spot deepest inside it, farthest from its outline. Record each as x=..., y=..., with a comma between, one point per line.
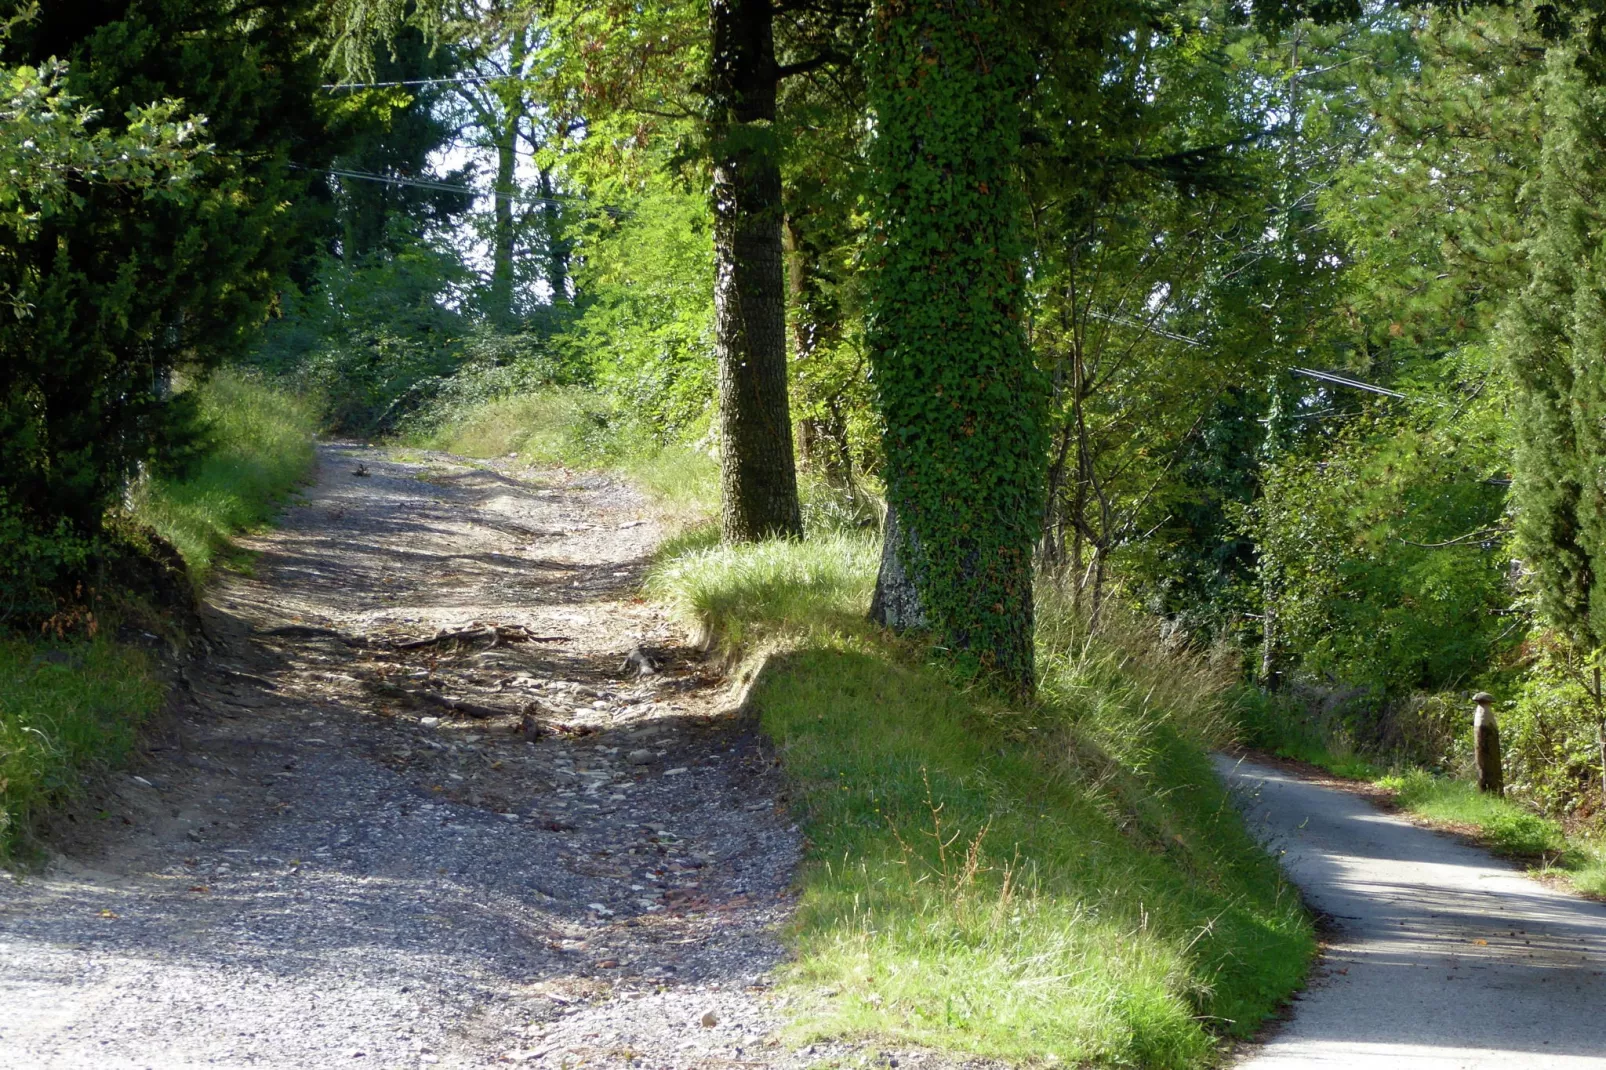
x=1441, y=956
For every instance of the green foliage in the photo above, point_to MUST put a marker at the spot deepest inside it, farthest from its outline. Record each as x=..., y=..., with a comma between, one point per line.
x=258, y=447
x=126, y=270
x=648, y=326
x=960, y=395
x=1556, y=340
x=66, y=712
x=1384, y=548
x=1062, y=881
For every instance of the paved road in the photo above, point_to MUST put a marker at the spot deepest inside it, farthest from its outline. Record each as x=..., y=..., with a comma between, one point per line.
x=1443, y=957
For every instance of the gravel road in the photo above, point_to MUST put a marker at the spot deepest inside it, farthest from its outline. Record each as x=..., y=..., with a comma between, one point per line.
x=1441, y=957
x=498, y=849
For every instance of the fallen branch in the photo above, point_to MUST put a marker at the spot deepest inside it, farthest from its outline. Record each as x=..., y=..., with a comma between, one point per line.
x=308, y=631
x=445, y=702
x=492, y=632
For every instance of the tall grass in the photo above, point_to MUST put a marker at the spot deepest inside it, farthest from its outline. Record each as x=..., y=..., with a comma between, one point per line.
x=64, y=713
x=1065, y=880
x=732, y=597
x=260, y=447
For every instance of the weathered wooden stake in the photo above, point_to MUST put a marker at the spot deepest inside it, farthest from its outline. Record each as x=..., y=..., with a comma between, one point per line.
x=1486, y=745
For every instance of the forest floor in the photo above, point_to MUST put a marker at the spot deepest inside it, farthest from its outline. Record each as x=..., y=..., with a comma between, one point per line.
x=321, y=863
x=1438, y=956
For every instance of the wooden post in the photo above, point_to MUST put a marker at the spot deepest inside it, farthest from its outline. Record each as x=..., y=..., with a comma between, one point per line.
x=1486, y=745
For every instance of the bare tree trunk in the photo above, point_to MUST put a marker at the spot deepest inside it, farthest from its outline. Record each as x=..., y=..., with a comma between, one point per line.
x=504, y=233
x=758, y=476
x=896, y=603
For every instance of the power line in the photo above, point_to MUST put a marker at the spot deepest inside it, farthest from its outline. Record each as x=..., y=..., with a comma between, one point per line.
x=439, y=187
x=1344, y=380
x=471, y=79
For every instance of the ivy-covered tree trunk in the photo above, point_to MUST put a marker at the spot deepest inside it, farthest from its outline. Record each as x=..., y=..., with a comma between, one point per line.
x=557, y=243
x=962, y=399
x=757, y=470
x=1556, y=340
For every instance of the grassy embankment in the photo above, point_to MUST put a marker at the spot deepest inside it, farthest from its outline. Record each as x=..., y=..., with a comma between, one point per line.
x=69, y=710
x=1503, y=825
x=1062, y=882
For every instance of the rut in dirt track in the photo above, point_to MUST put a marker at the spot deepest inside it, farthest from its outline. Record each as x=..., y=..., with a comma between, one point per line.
x=320, y=865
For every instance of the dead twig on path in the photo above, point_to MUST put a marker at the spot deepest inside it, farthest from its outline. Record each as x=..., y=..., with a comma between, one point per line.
x=495, y=633
x=461, y=707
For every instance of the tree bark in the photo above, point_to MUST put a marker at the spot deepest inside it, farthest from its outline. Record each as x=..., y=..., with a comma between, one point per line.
x=758, y=477
x=896, y=603
x=504, y=234
x=557, y=245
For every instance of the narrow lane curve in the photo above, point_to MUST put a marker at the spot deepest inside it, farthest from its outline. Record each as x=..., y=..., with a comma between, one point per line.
x=1443, y=957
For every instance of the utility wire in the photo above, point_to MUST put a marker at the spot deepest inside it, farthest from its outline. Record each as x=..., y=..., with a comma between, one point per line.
x=471, y=79
x=439, y=187
x=1344, y=380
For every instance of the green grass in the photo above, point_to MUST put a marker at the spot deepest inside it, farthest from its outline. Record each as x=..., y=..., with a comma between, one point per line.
x=558, y=426
x=261, y=447
x=1066, y=881
x=1503, y=824
x=61, y=720
x=734, y=597
x=70, y=711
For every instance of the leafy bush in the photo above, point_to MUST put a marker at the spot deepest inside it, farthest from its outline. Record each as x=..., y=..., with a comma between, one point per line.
x=648, y=331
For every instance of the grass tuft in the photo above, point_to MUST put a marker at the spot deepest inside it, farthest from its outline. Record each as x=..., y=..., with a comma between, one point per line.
x=1062, y=881
x=732, y=597
x=261, y=441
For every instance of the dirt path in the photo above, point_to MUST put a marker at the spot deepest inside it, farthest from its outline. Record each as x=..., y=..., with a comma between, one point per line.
x=1442, y=958
x=316, y=868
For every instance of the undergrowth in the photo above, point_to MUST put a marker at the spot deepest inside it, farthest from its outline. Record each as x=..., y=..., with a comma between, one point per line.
x=260, y=443
x=69, y=710
x=1062, y=881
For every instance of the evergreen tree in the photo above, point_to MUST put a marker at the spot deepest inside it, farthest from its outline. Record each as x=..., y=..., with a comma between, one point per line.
x=124, y=289
x=1556, y=343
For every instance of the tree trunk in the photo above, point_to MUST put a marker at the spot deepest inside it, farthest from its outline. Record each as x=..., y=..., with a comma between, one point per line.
x=557, y=245
x=896, y=603
x=758, y=478
x=504, y=233
x=962, y=399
